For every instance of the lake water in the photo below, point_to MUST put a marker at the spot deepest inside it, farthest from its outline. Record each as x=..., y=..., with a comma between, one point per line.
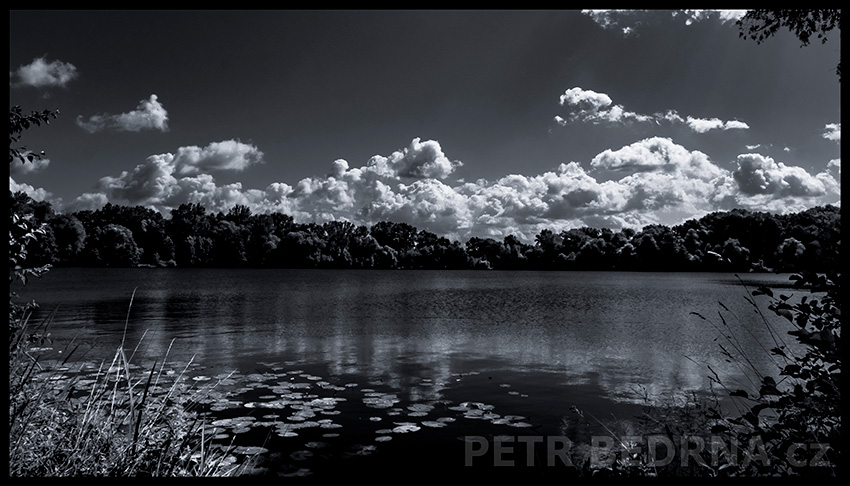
x=412, y=363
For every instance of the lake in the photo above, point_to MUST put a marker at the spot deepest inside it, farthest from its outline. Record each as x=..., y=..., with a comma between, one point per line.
x=413, y=366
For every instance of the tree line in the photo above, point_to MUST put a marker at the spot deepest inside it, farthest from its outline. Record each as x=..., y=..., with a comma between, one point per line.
x=129, y=236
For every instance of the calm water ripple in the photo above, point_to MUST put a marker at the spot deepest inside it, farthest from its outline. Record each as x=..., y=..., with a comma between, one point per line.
x=532, y=344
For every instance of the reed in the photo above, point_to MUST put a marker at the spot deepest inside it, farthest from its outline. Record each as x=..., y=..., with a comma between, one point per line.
x=114, y=418
x=782, y=419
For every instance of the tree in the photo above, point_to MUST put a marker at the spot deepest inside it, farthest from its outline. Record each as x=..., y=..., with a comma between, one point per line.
x=18, y=122
x=760, y=24
x=70, y=236
x=23, y=232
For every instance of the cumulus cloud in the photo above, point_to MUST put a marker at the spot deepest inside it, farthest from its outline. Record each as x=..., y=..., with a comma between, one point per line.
x=88, y=201
x=226, y=155
x=166, y=179
x=41, y=73
x=588, y=105
x=702, y=125
x=651, y=181
x=832, y=131
x=658, y=154
x=36, y=193
x=761, y=175
x=149, y=115
x=585, y=105
x=627, y=21
x=419, y=159
x=18, y=167
x=691, y=16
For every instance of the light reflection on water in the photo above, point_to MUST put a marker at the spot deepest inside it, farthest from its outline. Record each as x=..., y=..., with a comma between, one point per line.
x=622, y=331
x=376, y=354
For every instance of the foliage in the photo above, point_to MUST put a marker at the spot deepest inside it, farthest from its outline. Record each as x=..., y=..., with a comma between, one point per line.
x=760, y=24
x=18, y=122
x=737, y=241
x=799, y=416
x=26, y=229
x=787, y=424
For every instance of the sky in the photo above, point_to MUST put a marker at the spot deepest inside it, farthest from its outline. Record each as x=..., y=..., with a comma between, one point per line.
x=463, y=123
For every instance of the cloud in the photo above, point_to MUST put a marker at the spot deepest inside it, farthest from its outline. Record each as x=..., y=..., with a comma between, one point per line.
x=168, y=180
x=696, y=15
x=41, y=73
x=419, y=159
x=37, y=194
x=629, y=21
x=90, y=201
x=226, y=155
x=702, y=125
x=650, y=181
x=832, y=131
x=589, y=106
x=18, y=167
x=761, y=175
x=150, y=114
x=658, y=154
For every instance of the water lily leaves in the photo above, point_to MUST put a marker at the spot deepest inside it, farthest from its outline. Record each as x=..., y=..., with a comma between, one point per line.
x=250, y=450
x=323, y=402
x=380, y=400
x=420, y=407
x=404, y=428
x=433, y=424
x=286, y=433
x=304, y=424
x=301, y=455
x=233, y=422
x=298, y=473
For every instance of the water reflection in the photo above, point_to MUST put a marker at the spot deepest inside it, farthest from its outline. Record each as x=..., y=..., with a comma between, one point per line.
x=630, y=334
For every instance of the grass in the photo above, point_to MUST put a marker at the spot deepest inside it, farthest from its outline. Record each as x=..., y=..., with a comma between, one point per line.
x=783, y=420
x=112, y=419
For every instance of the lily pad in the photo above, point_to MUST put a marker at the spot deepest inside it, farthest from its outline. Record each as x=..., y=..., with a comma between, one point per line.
x=433, y=423
x=301, y=455
x=420, y=407
x=404, y=428
x=250, y=450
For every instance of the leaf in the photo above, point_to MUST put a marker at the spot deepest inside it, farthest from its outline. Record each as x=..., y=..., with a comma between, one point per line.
x=739, y=393
x=791, y=369
x=763, y=290
x=785, y=313
x=768, y=389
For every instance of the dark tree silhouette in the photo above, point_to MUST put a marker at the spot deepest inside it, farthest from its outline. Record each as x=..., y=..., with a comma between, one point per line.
x=18, y=122
x=760, y=24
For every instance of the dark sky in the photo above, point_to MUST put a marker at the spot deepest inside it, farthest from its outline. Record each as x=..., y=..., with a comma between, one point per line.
x=459, y=122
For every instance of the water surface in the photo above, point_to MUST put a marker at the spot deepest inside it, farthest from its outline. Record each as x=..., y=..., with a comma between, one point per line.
x=528, y=345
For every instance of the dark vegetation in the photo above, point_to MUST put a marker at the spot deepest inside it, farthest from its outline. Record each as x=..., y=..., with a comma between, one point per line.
x=121, y=236
x=784, y=422
x=114, y=427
